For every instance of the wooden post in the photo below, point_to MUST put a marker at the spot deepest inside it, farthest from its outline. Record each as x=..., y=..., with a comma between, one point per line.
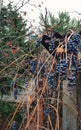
x=69, y=121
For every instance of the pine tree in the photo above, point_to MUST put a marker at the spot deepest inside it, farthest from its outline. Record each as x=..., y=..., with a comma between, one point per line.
x=61, y=24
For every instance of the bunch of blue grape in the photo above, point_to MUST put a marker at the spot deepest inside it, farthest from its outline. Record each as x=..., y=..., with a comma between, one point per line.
x=51, y=80
x=60, y=69
x=47, y=110
x=74, y=44
x=42, y=69
x=33, y=66
x=52, y=45
x=72, y=48
x=63, y=69
x=76, y=38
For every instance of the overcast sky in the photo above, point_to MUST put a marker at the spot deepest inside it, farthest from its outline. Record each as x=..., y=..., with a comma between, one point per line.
x=54, y=6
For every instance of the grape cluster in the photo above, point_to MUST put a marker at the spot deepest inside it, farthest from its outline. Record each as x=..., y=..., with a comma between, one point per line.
x=63, y=69
x=74, y=44
x=33, y=66
x=76, y=38
x=51, y=80
x=52, y=45
x=47, y=110
x=60, y=69
x=72, y=48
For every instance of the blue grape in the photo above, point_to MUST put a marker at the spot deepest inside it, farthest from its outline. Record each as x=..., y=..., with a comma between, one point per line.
x=76, y=38
x=79, y=46
x=33, y=66
x=47, y=110
x=51, y=80
x=72, y=48
x=72, y=78
x=60, y=69
x=52, y=45
x=73, y=68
